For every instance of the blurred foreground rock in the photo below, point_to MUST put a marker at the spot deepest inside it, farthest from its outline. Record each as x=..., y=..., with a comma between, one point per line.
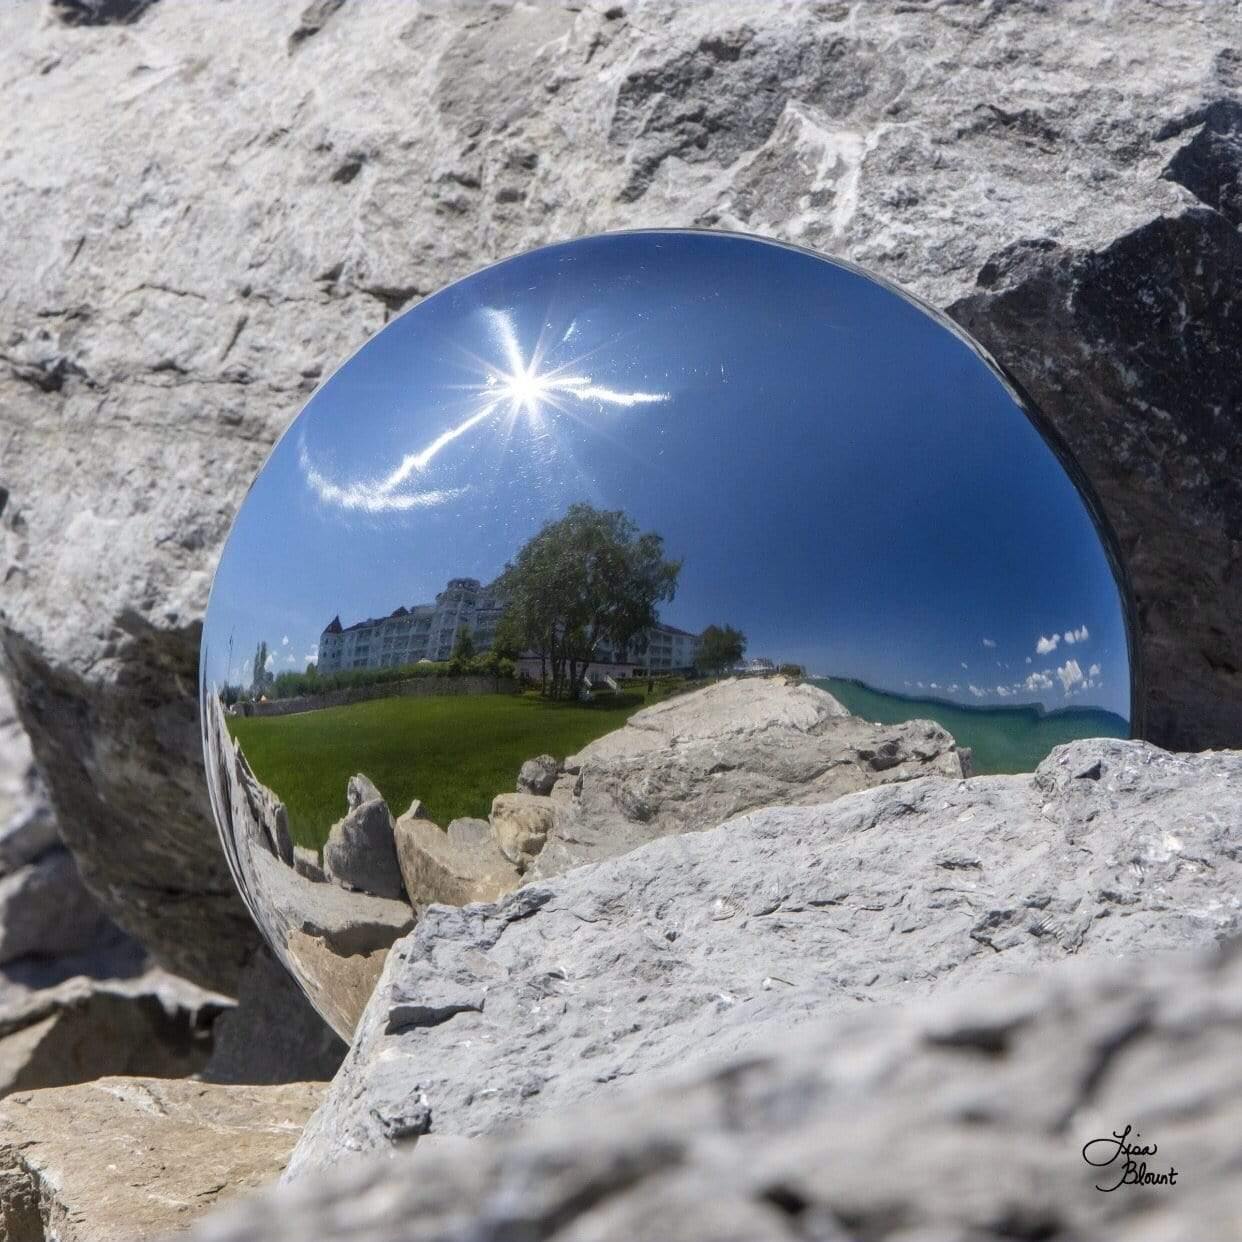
x=153, y=1024
x=962, y=1118
x=124, y=1159
x=721, y=941
x=1059, y=176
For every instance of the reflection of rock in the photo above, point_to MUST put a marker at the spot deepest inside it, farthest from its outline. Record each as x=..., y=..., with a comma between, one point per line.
x=708, y=942
x=333, y=940
x=153, y=1024
x=456, y=866
x=538, y=775
x=960, y=1117
x=306, y=863
x=359, y=852
x=129, y=1159
x=691, y=761
x=272, y=1035
x=360, y=789
x=521, y=823
x=264, y=807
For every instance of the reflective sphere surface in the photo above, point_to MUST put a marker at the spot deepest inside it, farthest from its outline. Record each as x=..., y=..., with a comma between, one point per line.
x=778, y=507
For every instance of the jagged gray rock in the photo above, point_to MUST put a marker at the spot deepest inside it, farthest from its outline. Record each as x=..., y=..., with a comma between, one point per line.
x=272, y=1035
x=333, y=940
x=691, y=761
x=360, y=852
x=923, y=141
x=538, y=775
x=962, y=1118
x=719, y=942
x=45, y=910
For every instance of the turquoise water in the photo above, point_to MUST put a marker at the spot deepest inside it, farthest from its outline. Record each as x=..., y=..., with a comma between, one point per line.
x=1002, y=739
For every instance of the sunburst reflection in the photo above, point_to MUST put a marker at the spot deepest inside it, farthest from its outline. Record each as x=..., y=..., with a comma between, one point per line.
x=517, y=386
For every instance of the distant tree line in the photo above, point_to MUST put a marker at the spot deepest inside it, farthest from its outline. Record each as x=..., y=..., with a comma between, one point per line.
x=586, y=582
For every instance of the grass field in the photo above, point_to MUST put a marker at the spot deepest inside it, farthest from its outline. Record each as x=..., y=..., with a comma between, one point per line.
x=454, y=752
x=1003, y=739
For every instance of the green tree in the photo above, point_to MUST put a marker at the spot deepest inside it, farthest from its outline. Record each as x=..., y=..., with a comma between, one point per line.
x=720, y=647
x=583, y=581
x=261, y=676
x=463, y=645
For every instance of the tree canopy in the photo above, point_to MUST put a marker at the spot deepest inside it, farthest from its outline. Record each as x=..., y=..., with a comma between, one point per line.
x=720, y=647
x=585, y=581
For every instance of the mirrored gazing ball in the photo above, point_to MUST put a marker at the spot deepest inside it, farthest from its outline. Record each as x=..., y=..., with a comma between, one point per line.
x=614, y=540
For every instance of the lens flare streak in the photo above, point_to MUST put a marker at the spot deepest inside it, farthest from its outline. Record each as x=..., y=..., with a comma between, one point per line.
x=519, y=388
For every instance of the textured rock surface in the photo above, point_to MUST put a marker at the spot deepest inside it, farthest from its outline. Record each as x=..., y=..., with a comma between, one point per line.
x=455, y=866
x=152, y=1024
x=960, y=1119
x=332, y=939
x=720, y=941
x=46, y=911
x=694, y=760
x=178, y=286
x=272, y=1035
x=124, y=1159
x=27, y=825
x=360, y=853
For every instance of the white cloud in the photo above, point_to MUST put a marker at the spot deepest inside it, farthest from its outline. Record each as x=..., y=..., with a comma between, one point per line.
x=1093, y=671
x=1046, y=646
x=964, y=664
x=1028, y=659
x=976, y=691
x=1070, y=675
x=1038, y=681
x=920, y=685
x=1003, y=691
x=312, y=656
x=271, y=659
x=987, y=642
x=953, y=689
x=934, y=686
x=284, y=642
x=1079, y=635
x=291, y=658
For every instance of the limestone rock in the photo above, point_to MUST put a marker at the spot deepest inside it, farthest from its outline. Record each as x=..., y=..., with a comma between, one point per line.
x=961, y=1117
x=521, y=824
x=360, y=789
x=448, y=138
x=153, y=1024
x=456, y=866
x=332, y=940
x=708, y=943
x=360, y=852
x=27, y=825
x=538, y=775
x=45, y=910
x=307, y=864
x=124, y=1159
x=690, y=762
x=272, y=1035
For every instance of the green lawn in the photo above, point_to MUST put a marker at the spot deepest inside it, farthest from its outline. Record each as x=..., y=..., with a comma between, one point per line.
x=454, y=752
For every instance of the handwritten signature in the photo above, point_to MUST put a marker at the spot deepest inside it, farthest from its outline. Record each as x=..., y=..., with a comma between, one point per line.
x=1103, y=1152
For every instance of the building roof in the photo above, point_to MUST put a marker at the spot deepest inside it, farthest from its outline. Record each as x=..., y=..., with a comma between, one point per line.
x=672, y=629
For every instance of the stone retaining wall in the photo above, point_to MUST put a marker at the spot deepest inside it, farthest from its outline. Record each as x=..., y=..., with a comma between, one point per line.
x=416, y=687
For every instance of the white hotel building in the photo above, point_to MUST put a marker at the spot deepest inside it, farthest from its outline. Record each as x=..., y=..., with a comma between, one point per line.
x=428, y=632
